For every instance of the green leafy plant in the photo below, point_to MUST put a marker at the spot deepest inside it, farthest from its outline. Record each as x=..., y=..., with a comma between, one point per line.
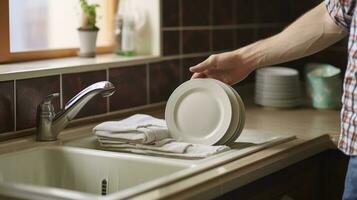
x=89, y=15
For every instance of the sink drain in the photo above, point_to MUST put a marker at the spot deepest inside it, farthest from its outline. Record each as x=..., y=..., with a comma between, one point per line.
x=104, y=188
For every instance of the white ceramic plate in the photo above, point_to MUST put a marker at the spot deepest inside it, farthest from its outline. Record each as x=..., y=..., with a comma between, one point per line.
x=279, y=104
x=272, y=95
x=276, y=79
x=285, y=88
x=241, y=121
x=278, y=71
x=236, y=113
x=199, y=111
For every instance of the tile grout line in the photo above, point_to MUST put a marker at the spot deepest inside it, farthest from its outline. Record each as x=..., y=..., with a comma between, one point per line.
x=108, y=98
x=180, y=42
x=219, y=27
x=211, y=26
x=180, y=31
x=235, y=31
x=181, y=70
x=148, y=95
x=61, y=91
x=161, y=26
x=15, y=105
x=255, y=18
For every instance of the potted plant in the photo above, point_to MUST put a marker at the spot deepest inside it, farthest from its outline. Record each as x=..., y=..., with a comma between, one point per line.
x=88, y=30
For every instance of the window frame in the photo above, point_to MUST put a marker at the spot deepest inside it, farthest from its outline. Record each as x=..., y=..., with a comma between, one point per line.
x=7, y=57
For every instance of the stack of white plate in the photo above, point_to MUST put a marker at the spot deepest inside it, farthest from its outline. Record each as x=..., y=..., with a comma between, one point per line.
x=205, y=111
x=277, y=87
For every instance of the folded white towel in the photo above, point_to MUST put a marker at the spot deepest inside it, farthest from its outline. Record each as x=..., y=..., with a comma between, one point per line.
x=141, y=135
x=130, y=124
x=193, y=151
x=166, y=145
x=141, y=129
x=144, y=134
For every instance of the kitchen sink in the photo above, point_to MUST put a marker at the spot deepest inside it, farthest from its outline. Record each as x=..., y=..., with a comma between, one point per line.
x=82, y=170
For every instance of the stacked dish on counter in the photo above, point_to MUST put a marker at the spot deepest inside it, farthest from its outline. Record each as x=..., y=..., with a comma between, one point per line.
x=277, y=87
x=205, y=111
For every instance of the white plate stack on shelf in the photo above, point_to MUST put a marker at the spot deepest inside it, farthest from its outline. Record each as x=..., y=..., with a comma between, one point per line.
x=277, y=87
x=205, y=111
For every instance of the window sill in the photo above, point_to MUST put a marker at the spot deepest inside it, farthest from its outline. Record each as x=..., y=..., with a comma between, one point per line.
x=50, y=67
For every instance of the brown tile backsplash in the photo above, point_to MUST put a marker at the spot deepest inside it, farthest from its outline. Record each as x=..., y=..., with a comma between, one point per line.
x=7, y=121
x=273, y=11
x=187, y=63
x=244, y=37
x=196, y=12
x=171, y=43
x=198, y=26
x=223, y=12
x=130, y=84
x=75, y=82
x=245, y=12
x=29, y=94
x=337, y=58
x=164, y=78
x=170, y=13
x=265, y=32
x=223, y=39
x=196, y=41
x=300, y=7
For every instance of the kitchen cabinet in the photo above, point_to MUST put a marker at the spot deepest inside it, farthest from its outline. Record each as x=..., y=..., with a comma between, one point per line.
x=318, y=177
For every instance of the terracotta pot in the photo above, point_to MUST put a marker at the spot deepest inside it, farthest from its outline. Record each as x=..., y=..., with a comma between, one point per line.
x=87, y=42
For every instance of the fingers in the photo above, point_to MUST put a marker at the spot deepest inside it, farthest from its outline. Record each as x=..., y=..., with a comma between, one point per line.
x=207, y=64
x=198, y=75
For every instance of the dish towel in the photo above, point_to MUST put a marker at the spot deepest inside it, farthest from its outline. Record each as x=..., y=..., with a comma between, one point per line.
x=144, y=134
x=141, y=129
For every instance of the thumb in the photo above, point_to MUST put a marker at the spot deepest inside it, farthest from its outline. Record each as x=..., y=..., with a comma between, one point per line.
x=202, y=66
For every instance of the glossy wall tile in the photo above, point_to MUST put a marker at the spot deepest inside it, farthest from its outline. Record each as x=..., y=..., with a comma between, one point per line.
x=131, y=87
x=29, y=94
x=223, y=12
x=75, y=82
x=170, y=13
x=245, y=12
x=196, y=12
x=191, y=31
x=244, y=36
x=164, y=78
x=187, y=63
x=273, y=11
x=171, y=43
x=196, y=41
x=7, y=121
x=223, y=40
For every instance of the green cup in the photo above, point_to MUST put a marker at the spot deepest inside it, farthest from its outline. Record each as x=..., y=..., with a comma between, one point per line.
x=324, y=85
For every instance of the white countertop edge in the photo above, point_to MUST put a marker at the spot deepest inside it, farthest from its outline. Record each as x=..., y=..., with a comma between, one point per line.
x=48, y=67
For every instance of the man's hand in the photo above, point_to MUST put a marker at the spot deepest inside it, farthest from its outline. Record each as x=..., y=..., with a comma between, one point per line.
x=227, y=67
x=309, y=34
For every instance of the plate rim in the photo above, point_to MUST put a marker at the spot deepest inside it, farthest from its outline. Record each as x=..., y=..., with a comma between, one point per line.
x=173, y=102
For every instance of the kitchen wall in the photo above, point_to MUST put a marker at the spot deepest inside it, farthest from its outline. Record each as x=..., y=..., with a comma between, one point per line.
x=192, y=30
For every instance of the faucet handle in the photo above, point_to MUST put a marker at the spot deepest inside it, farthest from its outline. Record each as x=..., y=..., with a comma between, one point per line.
x=46, y=107
x=45, y=115
x=49, y=98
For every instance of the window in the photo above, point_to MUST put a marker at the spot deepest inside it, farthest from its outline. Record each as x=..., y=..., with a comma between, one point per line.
x=48, y=28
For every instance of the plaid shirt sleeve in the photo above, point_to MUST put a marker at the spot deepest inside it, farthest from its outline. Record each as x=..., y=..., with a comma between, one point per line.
x=341, y=11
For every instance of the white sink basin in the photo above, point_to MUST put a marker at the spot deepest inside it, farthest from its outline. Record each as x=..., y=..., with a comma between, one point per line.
x=82, y=170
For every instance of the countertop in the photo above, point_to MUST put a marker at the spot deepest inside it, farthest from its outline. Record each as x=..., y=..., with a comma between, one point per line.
x=315, y=131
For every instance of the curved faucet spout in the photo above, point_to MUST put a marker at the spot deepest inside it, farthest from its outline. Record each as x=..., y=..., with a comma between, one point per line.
x=48, y=128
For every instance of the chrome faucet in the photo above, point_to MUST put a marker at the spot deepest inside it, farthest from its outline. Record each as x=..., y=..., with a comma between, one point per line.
x=49, y=124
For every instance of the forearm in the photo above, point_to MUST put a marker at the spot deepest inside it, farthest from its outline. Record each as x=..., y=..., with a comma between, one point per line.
x=309, y=34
